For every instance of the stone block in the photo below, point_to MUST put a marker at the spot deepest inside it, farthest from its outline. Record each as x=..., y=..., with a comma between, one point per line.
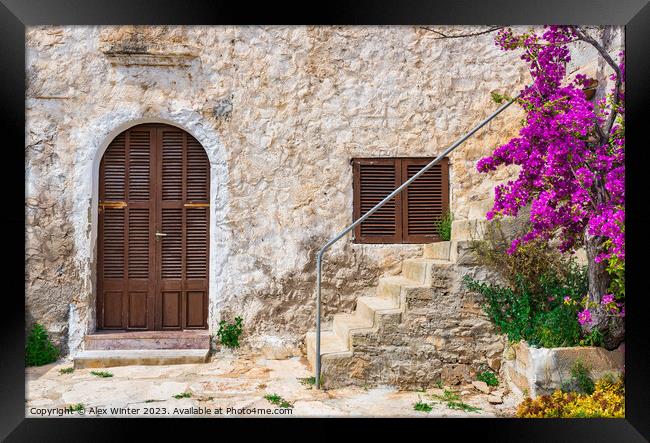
x=546, y=369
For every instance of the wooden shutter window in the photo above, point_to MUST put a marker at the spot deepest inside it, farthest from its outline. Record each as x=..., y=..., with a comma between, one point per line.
x=374, y=179
x=411, y=216
x=425, y=200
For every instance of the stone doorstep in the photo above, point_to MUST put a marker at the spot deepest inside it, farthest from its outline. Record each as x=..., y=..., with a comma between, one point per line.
x=112, y=358
x=134, y=340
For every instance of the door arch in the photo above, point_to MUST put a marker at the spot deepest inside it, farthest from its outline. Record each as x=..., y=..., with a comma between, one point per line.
x=154, y=188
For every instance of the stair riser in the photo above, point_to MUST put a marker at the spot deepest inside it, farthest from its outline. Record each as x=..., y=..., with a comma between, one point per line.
x=438, y=250
x=118, y=361
x=389, y=290
x=417, y=271
x=311, y=352
x=366, y=312
x=144, y=343
x=341, y=330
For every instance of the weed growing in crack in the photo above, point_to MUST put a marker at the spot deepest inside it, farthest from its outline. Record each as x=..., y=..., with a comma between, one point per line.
x=453, y=401
x=422, y=407
x=278, y=401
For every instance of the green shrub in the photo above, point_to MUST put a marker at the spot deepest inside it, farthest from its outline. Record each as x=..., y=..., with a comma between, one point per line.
x=509, y=310
x=102, y=374
x=229, y=333
x=556, y=328
x=443, y=226
x=542, y=318
x=39, y=350
x=488, y=377
x=581, y=380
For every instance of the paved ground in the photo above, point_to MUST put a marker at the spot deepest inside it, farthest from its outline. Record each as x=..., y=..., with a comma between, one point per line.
x=228, y=386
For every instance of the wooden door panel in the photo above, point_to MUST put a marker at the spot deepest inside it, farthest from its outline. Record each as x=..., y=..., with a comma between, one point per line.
x=112, y=312
x=153, y=179
x=195, y=309
x=171, y=309
x=137, y=315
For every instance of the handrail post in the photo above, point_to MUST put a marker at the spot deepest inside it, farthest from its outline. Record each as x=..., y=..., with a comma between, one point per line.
x=319, y=260
x=337, y=237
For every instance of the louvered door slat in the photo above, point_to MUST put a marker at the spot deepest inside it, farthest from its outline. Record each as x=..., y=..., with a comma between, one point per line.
x=425, y=200
x=139, y=164
x=172, y=165
x=172, y=243
x=114, y=170
x=197, y=243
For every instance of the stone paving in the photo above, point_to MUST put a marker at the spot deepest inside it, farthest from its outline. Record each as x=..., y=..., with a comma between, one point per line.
x=229, y=385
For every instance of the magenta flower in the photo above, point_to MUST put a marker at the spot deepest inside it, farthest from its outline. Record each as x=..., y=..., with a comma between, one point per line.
x=584, y=317
x=567, y=300
x=560, y=163
x=607, y=299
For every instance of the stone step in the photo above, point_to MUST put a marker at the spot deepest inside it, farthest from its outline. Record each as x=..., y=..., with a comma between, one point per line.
x=391, y=287
x=438, y=250
x=345, y=323
x=128, y=357
x=147, y=340
x=419, y=269
x=370, y=307
x=330, y=343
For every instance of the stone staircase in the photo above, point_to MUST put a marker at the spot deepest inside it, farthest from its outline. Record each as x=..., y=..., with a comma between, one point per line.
x=419, y=327
x=109, y=349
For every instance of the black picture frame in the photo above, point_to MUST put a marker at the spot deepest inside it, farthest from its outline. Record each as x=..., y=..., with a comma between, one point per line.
x=16, y=14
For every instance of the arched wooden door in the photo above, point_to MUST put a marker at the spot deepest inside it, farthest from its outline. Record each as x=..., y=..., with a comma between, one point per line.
x=153, y=231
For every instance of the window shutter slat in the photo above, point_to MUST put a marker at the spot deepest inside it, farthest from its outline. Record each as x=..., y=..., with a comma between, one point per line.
x=374, y=179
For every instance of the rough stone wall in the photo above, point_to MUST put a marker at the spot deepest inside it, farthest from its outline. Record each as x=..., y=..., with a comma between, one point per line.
x=280, y=111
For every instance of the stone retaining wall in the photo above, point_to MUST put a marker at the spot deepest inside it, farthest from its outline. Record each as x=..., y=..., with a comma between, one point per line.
x=539, y=371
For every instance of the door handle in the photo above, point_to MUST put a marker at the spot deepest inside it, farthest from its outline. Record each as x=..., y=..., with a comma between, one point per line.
x=160, y=234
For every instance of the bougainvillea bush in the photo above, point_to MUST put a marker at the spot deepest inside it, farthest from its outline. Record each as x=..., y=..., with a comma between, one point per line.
x=571, y=154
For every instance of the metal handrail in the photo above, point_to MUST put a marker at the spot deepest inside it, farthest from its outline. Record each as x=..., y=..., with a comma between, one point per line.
x=319, y=257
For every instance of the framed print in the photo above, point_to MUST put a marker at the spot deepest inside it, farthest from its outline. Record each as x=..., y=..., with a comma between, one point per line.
x=369, y=211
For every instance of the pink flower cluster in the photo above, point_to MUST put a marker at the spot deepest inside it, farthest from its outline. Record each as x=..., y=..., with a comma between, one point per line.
x=584, y=316
x=561, y=164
